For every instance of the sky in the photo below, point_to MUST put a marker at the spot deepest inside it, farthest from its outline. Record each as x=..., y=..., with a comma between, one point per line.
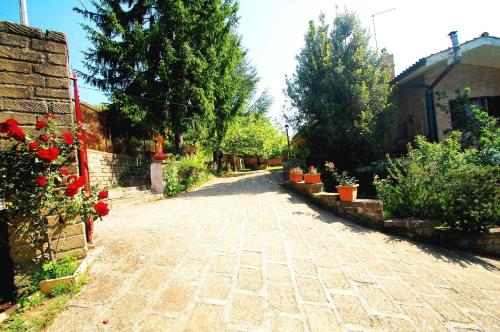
x=273, y=30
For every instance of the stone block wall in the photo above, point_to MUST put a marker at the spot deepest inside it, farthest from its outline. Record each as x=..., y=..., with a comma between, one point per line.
x=108, y=169
x=67, y=238
x=426, y=230
x=34, y=75
x=366, y=211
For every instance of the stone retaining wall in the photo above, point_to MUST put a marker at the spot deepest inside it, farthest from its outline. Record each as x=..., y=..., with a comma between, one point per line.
x=369, y=212
x=425, y=230
x=67, y=238
x=366, y=211
x=106, y=169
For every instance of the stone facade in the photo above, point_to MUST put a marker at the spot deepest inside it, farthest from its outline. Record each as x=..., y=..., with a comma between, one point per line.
x=108, y=169
x=34, y=75
x=411, y=119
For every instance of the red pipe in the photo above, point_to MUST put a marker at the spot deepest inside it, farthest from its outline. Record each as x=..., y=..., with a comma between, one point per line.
x=84, y=165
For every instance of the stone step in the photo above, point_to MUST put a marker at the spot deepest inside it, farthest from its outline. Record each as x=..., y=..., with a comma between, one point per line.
x=126, y=192
x=145, y=197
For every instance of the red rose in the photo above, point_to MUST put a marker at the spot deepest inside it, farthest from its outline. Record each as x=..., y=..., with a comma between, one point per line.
x=17, y=133
x=49, y=154
x=70, y=191
x=49, y=116
x=40, y=124
x=44, y=138
x=53, y=153
x=63, y=172
x=68, y=138
x=102, y=194
x=33, y=145
x=11, y=123
x=75, y=181
x=101, y=209
x=41, y=181
x=42, y=154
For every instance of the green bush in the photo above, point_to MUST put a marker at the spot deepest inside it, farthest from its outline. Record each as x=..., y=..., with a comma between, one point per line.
x=66, y=266
x=365, y=175
x=184, y=173
x=441, y=181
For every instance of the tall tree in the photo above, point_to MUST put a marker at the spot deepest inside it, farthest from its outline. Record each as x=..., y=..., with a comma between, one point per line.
x=159, y=59
x=254, y=135
x=340, y=94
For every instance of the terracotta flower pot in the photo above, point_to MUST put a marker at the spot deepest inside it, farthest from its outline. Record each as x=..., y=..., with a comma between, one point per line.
x=295, y=177
x=348, y=193
x=312, y=178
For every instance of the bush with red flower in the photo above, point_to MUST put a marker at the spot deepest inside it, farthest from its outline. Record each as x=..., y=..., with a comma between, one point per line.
x=37, y=180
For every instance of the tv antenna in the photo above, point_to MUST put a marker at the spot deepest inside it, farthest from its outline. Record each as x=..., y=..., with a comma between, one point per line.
x=374, y=30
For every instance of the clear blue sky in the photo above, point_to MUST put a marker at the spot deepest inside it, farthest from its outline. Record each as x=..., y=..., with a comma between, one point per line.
x=273, y=30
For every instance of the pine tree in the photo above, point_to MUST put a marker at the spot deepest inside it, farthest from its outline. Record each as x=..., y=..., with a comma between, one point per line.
x=160, y=60
x=340, y=94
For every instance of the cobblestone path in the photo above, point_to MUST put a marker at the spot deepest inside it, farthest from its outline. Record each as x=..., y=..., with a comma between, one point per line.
x=242, y=254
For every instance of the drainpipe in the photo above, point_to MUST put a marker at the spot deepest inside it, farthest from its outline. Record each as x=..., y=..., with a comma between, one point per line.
x=430, y=106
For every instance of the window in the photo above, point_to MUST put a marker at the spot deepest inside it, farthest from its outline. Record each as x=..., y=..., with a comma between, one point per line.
x=489, y=104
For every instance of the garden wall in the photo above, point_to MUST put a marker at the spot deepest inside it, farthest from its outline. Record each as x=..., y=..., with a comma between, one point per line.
x=425, y=230
x=34, y=75
x=365, y=211
x=67, y=239
x=108, y=169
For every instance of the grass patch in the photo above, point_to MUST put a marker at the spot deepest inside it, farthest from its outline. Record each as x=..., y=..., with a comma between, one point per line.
x=275, y=168
x=37, y=311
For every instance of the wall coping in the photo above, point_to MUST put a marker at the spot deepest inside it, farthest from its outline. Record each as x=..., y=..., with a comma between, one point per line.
x=22, y=30
x=112, y=154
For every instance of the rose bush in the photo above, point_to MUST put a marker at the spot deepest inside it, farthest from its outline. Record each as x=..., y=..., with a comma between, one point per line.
x=37, y=180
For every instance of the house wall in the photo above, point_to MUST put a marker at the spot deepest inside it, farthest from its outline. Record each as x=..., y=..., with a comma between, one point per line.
x=483, y=81
x=34, y=75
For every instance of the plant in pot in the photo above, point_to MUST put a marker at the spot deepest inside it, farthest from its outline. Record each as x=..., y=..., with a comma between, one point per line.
x=347, y=185
x=312, y=176
x=39, y=190
x=295, y=174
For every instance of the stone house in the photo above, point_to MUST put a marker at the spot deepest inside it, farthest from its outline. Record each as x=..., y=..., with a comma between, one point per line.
x=474, y=64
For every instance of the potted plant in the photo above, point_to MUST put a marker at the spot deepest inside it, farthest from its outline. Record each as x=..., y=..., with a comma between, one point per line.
x=312, y=176
x=347, y=185
x=295, y=174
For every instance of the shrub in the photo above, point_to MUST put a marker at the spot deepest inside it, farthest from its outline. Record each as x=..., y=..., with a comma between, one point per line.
x=37, y=182
x=66, y=266
x=181, y=174
x=440, y=181
x=365, y=176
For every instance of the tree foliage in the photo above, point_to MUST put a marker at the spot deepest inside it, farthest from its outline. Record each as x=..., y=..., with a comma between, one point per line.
x=254, y=135
x=340, y=94
x=169, y=64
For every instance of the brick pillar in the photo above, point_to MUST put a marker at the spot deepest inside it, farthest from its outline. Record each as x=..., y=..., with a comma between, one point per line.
x=34, y=75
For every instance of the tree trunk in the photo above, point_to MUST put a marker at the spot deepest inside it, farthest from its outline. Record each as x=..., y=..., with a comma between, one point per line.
x=219, y=161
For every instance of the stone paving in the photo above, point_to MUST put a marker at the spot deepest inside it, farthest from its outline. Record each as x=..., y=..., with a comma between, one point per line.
x=242, y=254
